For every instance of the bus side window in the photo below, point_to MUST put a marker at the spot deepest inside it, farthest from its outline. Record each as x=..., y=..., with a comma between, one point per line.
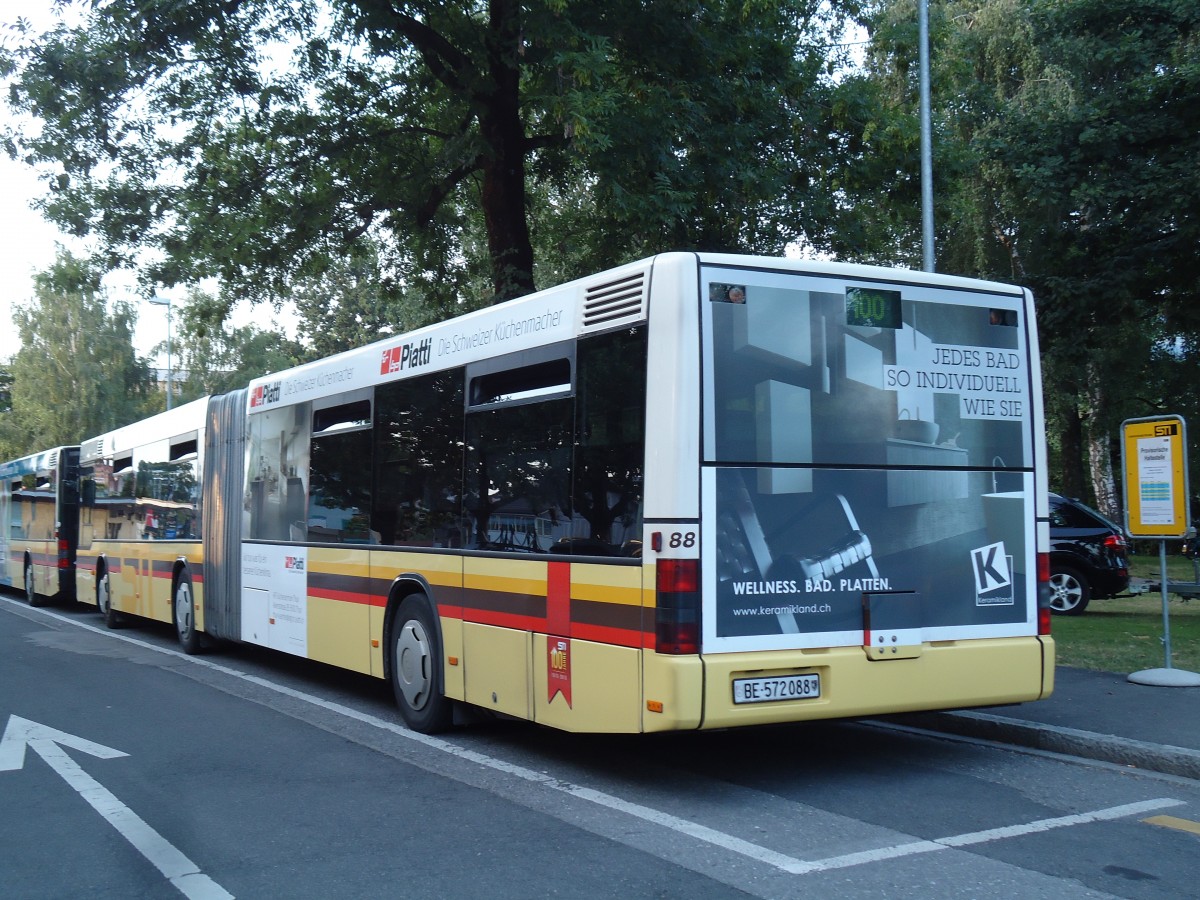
x=339, y=490
x=418, y=461
x=518, y=476
x=276, y=469
x=520, y=436
x=609, y=445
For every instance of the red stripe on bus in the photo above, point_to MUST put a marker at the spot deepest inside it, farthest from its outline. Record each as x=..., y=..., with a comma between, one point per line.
x=522, y=612
x=326, y=593
x=504, y=620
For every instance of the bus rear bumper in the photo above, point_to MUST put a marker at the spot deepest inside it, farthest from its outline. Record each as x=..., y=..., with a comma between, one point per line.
x=945, y=675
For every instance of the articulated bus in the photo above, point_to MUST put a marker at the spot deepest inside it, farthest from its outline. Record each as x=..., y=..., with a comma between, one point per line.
x=38, y=517
x=696, y=491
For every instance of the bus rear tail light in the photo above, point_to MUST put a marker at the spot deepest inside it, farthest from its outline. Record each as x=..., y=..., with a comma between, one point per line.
x=64, y=554
x=1043, y=592
x=677, y=616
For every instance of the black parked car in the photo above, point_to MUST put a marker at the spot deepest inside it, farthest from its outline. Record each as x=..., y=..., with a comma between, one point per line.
x=1087, y=556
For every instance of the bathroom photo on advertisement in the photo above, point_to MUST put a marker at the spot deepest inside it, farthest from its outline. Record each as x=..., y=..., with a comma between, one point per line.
x=869, y=460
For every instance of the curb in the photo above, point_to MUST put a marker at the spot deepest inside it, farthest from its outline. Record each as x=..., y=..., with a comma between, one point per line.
x=1162, y=758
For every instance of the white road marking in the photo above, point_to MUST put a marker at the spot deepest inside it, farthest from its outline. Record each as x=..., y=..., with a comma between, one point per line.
x=184, y=874
x=703, y=833
x=983, y=837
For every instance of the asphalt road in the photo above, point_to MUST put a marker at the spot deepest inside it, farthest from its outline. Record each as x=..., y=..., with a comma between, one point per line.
x=251, y=774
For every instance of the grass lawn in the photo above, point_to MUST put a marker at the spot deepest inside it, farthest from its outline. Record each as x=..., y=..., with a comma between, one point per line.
x=1125, y=634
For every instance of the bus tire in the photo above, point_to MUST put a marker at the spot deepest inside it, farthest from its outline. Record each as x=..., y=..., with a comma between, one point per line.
x=183, y=612
x=31, y=595
x=104, y=601
x=1070, y=592
x=415, y=666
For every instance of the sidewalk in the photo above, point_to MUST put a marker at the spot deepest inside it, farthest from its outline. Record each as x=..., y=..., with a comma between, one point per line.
x=1096, y=715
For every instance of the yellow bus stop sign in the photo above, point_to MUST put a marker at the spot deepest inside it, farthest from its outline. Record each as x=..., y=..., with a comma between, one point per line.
x=1154, y=455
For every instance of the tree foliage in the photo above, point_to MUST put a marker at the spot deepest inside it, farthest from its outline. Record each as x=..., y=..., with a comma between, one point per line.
x=259, y=141
x=1066, y=135
x=211, y=356
x=76, y=374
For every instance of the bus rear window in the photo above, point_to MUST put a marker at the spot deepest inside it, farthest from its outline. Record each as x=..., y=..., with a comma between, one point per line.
x=807, y=371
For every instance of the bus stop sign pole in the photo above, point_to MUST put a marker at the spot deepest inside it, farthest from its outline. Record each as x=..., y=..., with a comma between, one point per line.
x=1154, y=463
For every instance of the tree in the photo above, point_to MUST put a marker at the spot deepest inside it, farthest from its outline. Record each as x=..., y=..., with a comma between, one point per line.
x=260, y=140
x=354, y=302
x=1065, y=140
x=215, y=357
x=6, y=381
x=76, y=374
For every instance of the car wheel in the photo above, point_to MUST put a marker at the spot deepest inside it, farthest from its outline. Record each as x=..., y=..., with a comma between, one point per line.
x=416, y=667
x=1069, y=591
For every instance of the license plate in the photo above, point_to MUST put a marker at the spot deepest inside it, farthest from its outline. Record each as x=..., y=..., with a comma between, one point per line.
x=785, y=687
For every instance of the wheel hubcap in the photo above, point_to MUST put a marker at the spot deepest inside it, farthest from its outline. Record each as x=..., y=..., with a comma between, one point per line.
x=413, y=664
x=1067, y=592
x=102, y=600
x=183, y=609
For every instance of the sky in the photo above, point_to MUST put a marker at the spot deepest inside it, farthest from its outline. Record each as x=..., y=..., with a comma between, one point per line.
x=28, y=242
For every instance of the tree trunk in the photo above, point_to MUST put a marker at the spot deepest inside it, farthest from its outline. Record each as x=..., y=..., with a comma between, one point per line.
x=1099, y=448
x=1104, y=482
x=503, y=132
x=1072, y=451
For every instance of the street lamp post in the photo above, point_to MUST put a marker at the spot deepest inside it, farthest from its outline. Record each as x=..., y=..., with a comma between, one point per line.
x=166, y=301
x=927, y=262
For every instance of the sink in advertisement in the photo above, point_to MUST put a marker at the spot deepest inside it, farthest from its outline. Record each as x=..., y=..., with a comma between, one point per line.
x=1004, y=515
x=919, y=430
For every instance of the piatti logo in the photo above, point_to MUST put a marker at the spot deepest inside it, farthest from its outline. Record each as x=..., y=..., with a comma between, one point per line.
x=264, y=394
x=405, y=356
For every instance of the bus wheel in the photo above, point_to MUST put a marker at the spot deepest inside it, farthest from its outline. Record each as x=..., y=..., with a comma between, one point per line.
x=31, y=594
x=416, y=667
x=112, y=618
x=185, y=615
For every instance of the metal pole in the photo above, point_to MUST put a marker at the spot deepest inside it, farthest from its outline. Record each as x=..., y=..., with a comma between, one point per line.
x=170, y=371
x=926, y=141
x=159, y=301
x=1162, y=559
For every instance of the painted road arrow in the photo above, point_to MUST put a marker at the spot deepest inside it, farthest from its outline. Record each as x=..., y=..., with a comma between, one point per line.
x=48, y=743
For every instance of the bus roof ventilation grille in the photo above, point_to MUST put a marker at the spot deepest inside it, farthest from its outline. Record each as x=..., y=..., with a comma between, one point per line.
x=615, y=303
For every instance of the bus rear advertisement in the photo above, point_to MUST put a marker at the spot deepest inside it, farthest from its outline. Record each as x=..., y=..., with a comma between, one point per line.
x=695, y=491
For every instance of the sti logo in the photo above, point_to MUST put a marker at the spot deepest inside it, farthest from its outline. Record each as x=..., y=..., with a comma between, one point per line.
x=293, y=563
x=405, y=356
x=264, y=394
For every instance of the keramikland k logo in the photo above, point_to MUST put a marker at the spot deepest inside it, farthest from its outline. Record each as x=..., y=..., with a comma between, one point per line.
x=993, y=575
